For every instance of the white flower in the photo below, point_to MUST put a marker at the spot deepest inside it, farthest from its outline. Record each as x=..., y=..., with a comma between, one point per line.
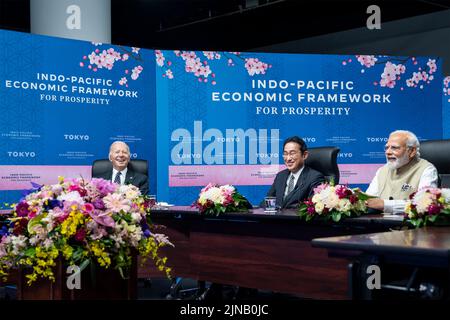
x=131, y=192
x=344, y=205
x=445, y=192
x=422, y=200
x=319, y=207
x=214, y=194
x=72, y=196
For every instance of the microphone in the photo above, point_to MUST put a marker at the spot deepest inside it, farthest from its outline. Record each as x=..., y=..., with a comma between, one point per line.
x=391, y=198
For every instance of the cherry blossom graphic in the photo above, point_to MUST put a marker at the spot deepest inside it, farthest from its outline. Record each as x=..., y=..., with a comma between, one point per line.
x=395, y=68
x=109, y=58
x=447, y=87
x=200, y=67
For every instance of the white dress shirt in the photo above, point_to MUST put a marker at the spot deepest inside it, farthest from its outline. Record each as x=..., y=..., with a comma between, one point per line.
x=296, y=175
x=123, y=175
x=429, y=178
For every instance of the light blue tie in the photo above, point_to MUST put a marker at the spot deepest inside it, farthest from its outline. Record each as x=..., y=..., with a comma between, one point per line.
x=291, y=184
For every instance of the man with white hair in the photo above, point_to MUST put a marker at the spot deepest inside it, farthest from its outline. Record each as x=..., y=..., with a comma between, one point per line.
x=404, y=173
x=119, y=155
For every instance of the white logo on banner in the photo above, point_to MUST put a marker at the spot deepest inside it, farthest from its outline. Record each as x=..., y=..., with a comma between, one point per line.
x=76, y=137
x=21, y=154
x=236, y=146
x=377, y=139
x=374, y=21
x=74, y=20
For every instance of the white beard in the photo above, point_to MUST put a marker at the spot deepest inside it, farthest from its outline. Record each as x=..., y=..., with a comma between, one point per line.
x=399, y=162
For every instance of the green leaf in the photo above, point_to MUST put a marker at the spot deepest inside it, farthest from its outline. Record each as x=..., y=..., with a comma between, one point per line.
x=363, y=196
x=336, y=216
x=30, y=252
x=84, y=264
x=36, y=220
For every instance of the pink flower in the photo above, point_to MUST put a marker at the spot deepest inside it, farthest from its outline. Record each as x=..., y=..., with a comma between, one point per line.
x=88, y=207
x=116, y=203
x=434, y=209
x=102, y=218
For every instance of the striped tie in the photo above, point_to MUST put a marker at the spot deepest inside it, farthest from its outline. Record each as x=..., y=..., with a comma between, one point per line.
x=117, y=178
x=291, y=184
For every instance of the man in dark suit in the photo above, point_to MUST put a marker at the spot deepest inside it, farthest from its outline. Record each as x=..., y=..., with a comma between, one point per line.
x=297, y=182
x=119, y=155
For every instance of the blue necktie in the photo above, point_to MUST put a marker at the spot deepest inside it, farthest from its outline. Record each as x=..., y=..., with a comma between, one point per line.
x=117, y=178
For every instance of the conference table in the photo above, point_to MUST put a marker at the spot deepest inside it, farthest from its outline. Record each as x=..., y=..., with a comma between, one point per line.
x=260, y=250
x=425, y=250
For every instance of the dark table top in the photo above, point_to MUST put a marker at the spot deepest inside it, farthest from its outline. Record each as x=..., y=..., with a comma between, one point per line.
x=258, y=214
x=433, y=241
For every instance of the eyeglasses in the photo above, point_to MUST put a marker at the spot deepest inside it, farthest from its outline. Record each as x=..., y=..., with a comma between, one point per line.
x=290, y=154
x=393, y=148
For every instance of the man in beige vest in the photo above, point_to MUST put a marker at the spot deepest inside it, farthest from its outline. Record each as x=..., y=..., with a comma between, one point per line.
x=403, y=174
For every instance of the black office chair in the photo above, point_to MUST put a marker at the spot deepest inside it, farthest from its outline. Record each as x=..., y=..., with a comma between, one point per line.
x=104, y=165
x=437, y=152
x=324, y=159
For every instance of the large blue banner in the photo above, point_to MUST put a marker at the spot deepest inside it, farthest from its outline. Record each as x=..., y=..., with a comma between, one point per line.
x=63, y=102
x=201, y=117
x=446, y=108
x=222, y=116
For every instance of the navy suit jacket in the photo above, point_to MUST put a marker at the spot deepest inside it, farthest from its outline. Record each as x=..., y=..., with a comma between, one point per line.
x=304, y=188
x=136, y=179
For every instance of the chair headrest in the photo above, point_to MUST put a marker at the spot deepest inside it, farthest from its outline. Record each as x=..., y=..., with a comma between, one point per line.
x=437, y=152
x=324, y=159
x=104, y=165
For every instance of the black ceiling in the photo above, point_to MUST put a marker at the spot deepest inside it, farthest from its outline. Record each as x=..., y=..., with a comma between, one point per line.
x=230, y=24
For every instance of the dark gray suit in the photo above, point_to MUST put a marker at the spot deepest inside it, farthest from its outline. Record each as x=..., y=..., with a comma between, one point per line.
x=136, y=179
x=307, y=181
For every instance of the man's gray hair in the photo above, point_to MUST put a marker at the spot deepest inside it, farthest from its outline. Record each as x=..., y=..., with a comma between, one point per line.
x=116, y=142
x=411, y=141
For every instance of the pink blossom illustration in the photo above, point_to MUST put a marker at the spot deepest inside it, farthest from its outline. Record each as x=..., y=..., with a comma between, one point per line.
x=395, y=68
x=199, y=65
x=108, y=58
x=447, y=87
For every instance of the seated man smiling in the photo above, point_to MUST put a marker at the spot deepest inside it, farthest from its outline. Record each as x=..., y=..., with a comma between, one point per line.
x=404, y=173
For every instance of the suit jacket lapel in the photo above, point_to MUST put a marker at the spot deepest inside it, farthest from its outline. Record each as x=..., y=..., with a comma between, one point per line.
x=283, y=181
x=129, y=177
x=298, y=186
x=107, y=175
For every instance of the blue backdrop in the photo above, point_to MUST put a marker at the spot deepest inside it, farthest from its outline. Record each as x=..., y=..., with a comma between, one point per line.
x=63, y=102
x=201, y=116
x=225, y=114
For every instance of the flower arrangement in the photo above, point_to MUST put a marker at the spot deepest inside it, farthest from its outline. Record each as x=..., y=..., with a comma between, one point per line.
x=79, y=222
x=333, y=202
x=428, y=206
x=215, y=199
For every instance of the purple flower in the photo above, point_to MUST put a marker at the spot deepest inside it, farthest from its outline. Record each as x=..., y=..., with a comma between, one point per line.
x=22, y=209
x=99, y=204
x=104, y=186
x=147, y=233
x=80, y=235
x=102, y=218
x=53, y=203
x=311, y=210
x=4, y=231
